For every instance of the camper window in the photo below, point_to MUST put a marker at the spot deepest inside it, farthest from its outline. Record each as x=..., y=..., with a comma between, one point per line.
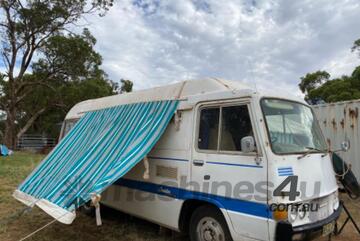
x=235, y=125
x=209, y=128
x=68, y=125
x=222, y=128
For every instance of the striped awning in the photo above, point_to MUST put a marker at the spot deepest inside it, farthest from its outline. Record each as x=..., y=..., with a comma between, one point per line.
x=102, y=147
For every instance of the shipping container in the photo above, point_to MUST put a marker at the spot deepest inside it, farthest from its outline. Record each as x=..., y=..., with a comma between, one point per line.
x=340, y=121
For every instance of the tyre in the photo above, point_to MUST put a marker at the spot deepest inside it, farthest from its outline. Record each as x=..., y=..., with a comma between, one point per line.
x=208, y=224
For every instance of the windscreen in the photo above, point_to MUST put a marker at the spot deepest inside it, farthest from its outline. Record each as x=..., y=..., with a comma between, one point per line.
x=292, y=127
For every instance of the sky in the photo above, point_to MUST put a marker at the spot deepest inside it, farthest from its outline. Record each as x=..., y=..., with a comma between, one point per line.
x=265, y=44
x=261, y=43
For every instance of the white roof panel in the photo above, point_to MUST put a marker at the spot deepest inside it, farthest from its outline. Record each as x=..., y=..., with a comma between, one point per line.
x=180, y=90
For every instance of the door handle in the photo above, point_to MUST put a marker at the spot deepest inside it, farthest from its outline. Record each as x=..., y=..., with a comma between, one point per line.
x=198, y=162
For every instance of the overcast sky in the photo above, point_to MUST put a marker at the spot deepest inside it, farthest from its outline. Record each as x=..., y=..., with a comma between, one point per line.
x=154, y=42
x=263, y=43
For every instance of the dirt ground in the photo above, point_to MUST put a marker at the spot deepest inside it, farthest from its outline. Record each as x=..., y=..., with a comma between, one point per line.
x=116, y=226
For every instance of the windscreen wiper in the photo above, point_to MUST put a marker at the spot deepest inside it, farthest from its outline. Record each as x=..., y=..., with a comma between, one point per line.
x=310, y=149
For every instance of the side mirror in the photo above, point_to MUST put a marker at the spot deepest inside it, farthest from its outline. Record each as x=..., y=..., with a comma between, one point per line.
x=248, y=144
x=345, y=145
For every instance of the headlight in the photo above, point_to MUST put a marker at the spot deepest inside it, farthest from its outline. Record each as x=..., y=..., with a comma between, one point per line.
x=293, y=213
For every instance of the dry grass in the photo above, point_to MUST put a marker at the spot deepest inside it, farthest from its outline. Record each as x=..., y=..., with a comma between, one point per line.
x=116, y=226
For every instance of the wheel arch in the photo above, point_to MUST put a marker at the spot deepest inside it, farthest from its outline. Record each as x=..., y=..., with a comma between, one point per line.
x=189, y=206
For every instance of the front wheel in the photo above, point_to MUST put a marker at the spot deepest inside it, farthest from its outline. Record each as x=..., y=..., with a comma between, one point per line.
x=208, y=224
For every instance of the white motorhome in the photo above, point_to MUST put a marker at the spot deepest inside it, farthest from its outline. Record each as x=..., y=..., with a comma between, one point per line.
x=232, y=165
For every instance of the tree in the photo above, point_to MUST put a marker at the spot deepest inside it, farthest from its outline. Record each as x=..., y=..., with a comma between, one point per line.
x=333, y=90
x=69, y=72
x=340, y=89
x=69, y=94
x=356, y=46
x=312, y=80
x=26, y=27
x=355, y=78
x=126, y=86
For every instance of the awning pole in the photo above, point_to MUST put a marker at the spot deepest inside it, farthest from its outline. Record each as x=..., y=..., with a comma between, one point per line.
x=146, y=175
x=95, y=199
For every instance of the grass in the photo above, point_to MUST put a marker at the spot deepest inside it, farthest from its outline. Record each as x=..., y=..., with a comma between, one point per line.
x=116, y=225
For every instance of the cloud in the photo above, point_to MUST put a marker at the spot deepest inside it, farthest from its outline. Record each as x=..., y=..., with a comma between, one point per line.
x=155, y=42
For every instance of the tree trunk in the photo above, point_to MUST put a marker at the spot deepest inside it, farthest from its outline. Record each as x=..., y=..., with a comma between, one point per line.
x=10, y=130
x=10, y=135
x=30, y=122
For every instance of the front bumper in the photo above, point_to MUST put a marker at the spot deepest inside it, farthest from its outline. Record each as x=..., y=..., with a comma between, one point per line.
x=285, y=231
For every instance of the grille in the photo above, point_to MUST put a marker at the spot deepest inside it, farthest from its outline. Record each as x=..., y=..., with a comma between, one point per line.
x=166, y=172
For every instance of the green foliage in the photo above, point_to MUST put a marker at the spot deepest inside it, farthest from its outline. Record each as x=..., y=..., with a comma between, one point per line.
x=356, y=46
x=69, y=58
x=67, y=95
x=334, y=90
x=70, y=73
x=340, y=89
x=312, y=80
x=355, y=78
x=126, y=86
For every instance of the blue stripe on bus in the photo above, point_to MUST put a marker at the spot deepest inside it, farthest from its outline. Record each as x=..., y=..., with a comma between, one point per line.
x=210, y=162
x=232, y=204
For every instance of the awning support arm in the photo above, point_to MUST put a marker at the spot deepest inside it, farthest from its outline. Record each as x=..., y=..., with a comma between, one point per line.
x=146, y=175
x=95, y=200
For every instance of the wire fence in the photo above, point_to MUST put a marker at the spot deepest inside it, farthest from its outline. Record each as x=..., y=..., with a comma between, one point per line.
x=37, y=143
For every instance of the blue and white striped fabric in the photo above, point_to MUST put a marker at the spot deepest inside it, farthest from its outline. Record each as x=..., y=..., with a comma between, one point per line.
x=102, y=147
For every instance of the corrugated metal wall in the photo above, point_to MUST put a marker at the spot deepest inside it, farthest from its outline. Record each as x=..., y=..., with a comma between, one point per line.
x=340, y=121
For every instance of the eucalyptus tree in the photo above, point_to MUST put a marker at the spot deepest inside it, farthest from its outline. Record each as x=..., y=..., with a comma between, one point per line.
x=27, y=28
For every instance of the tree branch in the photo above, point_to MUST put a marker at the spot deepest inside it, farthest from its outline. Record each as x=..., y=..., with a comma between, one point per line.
x=30, y=122
x=23, y=85
x=12, y=38
x=7, y=61
x=20, y=98
x=2, y=105
x=27, y=57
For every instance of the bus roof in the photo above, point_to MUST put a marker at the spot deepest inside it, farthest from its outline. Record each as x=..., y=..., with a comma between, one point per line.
x=189, y=92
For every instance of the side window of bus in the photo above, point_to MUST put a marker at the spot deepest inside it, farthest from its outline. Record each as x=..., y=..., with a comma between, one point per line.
x=235, y=125
x=209, y=128
x=68, y=125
